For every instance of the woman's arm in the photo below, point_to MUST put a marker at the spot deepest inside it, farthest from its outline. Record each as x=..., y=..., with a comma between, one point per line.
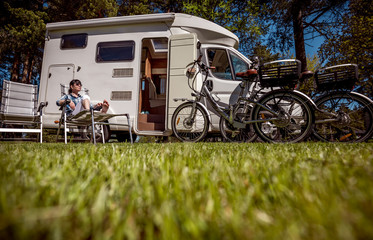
x=62, y=100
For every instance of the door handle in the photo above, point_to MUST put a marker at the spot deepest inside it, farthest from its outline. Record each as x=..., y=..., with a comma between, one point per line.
x=210, y=85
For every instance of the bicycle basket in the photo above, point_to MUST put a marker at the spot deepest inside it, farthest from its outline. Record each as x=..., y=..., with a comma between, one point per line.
x=336, y=77
x=280, y=73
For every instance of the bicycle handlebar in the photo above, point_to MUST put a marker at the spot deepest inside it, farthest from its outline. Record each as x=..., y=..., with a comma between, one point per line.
x=201, y=64
x=66, y=102
x=199, y=58
x=305, y=75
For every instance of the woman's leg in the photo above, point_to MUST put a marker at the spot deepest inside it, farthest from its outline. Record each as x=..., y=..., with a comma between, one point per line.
x=84, y=104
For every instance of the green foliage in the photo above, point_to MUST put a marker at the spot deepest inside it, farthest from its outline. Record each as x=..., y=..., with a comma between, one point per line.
x=353, y=43
x=66, y=10
x=62, y=10
x=296, y=20
x=240, y=17
x=97, y=9
x=134, y=7
x=21, y=38
x=308, y=86
x=186, y=191
x=320, y=18
x=25, y=29
x=264, y=53
x=137, y=7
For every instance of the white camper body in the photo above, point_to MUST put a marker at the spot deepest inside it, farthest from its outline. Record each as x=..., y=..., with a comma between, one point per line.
x=137, y=63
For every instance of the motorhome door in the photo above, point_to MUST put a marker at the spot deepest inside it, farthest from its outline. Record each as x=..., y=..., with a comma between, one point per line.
x=57, y=74
x=182, y=51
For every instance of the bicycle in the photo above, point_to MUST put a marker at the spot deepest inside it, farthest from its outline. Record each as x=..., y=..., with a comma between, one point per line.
x=341, y=115
x=278, y=116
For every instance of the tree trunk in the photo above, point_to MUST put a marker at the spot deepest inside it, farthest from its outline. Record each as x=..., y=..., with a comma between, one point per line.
x=25, y=68
x=300, y=50
x=15, y=68
x=30, y=69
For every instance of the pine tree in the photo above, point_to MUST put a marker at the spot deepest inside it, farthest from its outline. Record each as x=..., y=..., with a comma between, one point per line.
x=21, y=38
x=353, y=43
x=293, y=21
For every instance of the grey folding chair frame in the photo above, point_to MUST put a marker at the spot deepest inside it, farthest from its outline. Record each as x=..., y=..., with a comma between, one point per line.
x=19, y=107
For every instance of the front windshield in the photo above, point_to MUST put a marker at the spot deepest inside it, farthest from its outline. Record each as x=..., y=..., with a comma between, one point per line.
x=238, y=64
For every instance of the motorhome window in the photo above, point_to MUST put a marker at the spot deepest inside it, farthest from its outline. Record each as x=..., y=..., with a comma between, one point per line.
x=218, y=58
x=115, y=51
x=74, y=41
x=160, y=44
x=239, y=65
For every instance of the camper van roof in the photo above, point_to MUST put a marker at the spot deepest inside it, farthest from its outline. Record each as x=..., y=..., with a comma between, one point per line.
x=206, y=30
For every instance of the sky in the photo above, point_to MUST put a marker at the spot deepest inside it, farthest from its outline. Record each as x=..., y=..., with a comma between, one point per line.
x=313, y=45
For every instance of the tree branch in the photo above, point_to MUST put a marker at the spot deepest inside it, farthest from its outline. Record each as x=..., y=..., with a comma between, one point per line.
x=323, y=11
x=317, y=30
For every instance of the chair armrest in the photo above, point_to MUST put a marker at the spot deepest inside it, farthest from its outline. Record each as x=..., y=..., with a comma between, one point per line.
x=42, y=105
x=63, y=105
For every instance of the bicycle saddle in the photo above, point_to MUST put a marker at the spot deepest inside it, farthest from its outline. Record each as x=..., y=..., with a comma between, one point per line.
x=306, y=74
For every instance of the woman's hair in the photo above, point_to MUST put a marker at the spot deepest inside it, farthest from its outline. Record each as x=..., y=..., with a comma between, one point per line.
x=74, y=81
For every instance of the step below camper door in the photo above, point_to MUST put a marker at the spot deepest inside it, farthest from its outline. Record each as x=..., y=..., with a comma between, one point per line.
x=182, y=51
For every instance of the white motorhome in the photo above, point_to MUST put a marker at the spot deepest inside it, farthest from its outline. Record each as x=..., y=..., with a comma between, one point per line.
x=138, y=64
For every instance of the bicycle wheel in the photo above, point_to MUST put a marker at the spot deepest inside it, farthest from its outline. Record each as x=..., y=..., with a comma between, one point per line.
x=188, y=126
x=293, y=123
x=232, y=134
x=353, y=122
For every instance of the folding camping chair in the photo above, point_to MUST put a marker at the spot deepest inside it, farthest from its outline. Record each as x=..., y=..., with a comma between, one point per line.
x=19, y=108
x=87, y=118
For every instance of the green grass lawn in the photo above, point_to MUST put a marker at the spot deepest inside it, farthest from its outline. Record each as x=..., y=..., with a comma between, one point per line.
x=186, y=191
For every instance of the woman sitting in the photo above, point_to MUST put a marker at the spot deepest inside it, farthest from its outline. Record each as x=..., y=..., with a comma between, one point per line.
x=79, y=103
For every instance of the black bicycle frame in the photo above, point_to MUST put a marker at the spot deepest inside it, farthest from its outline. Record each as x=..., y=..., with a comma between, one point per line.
x=229, y=117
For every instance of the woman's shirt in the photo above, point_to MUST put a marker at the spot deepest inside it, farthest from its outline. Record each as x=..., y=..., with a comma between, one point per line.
x=72, y=98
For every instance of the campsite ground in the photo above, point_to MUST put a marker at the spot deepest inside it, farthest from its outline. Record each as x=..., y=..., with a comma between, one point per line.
x=186, y=191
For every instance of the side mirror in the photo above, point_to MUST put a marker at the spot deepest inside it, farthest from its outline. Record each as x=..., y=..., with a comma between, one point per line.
x=198, y=45
x=256, y=62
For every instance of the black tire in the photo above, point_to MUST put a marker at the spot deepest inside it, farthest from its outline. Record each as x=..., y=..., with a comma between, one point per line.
x=295, y=122
x=232, y=134
x=98, y=136
x=355, y=118
x=125, y=137
x=187, y=129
